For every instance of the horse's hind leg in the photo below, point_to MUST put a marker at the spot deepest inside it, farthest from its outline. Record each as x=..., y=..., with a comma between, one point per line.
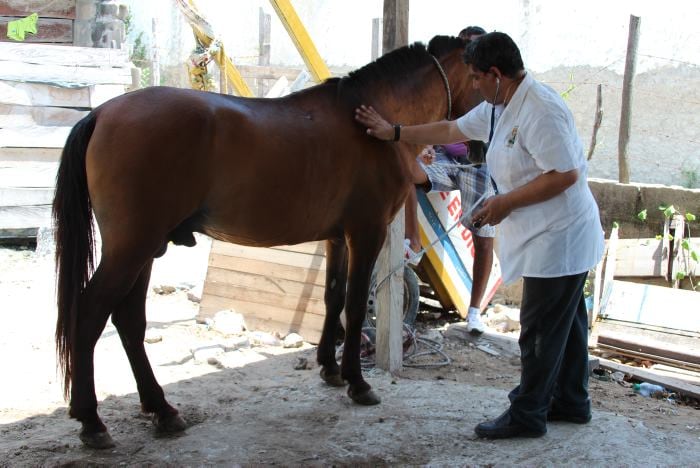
x=129, y=318
x=336, y=278
x=110, y=283
x=364, y=248
x=117, y=274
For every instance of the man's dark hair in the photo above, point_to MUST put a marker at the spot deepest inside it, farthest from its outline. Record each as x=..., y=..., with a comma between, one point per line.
x=471, y=31
x=494, y=49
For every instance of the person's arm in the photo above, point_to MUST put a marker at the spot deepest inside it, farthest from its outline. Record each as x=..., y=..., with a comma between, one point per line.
x=541, y=188
x=442, y=132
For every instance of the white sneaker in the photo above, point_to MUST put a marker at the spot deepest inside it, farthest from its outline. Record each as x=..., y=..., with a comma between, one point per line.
x=413, y=258
x=474, y=324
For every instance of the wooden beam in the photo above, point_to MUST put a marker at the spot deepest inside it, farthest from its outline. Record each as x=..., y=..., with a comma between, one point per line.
x=301, y=39
x=650, y=348
x=643, y=258
x=20, y=154
x=390, y=261
x=626, y=112
x=395, y=26
x=25, y=217
x=652, y=305
x=45, y=9
x=597, y=293
x=679, y=260
x=41, y=94
x=71, y=56
x=35, y=136
x=264, y=28
x=669, y=383
x=23, y=116
x=597, y=122
x=610, y=264
x=48, y=30
x=68, y=76
x=376, y=35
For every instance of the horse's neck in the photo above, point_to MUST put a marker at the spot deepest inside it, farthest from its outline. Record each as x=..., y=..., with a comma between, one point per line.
x=423, y=99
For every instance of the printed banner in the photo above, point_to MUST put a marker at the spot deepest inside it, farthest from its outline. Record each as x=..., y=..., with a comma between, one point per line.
x=453, y=255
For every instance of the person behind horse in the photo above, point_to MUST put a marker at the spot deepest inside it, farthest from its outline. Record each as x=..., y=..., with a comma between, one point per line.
x=442, y=168
x=549, y=233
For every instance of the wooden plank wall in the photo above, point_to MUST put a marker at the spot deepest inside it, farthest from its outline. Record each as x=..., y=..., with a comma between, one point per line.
x=276, y=289
x=55, y=23
x=44, y=90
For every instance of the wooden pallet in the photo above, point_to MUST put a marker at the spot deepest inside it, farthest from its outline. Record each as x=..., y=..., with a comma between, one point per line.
x=276, y=289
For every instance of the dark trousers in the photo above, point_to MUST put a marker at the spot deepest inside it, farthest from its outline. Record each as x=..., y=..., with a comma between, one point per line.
x=554, y=350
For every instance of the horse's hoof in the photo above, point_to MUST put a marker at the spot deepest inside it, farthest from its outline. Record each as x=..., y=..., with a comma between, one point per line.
x=366, y=398
x=334, y=380
x=97, y=440
x=169, y=424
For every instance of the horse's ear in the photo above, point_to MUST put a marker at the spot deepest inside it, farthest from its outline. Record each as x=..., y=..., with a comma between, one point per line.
x=441, y=45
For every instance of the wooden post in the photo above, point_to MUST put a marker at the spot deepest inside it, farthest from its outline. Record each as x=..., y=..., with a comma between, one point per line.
x=390, y=295
x=596, y=123
x=626, y=113
x=376, y=24
x=678, y=262
x=155, y=66
x=395, y=28
x=264, y=26
x=610, y=261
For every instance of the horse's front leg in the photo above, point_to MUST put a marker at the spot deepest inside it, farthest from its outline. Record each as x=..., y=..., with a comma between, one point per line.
x=336, y=278
x=364, y=249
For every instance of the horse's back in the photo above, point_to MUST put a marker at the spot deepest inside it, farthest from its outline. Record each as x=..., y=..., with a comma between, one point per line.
x=250, y=171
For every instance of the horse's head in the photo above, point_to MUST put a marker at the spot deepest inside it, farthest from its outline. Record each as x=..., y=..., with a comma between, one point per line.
x=449, y=51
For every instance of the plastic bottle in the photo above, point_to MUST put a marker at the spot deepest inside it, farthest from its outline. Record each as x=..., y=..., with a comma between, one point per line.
x=647, y=389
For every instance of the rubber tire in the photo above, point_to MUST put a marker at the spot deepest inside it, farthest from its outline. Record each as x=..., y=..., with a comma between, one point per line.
x=411, y=294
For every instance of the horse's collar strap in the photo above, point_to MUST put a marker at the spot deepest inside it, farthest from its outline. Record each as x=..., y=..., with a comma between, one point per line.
x=447, y=86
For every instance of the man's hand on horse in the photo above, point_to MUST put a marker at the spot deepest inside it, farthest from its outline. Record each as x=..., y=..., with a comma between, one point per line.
x=375, y=123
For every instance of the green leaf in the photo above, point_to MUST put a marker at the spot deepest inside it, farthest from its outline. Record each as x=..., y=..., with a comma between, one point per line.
x=670, y=211
x=669, y=237
x=690, y=217
x=616, y=225
x=659, y=237
x=685, y=244
x=642, y=215
x=680, y=275
x=694, y=256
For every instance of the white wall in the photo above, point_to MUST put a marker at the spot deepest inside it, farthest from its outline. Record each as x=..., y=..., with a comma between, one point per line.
x=550, y=33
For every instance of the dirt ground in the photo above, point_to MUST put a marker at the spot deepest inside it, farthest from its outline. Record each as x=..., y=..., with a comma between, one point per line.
x=251, y=406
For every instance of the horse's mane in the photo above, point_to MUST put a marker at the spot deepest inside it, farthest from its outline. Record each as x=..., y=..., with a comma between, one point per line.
x=398, y=64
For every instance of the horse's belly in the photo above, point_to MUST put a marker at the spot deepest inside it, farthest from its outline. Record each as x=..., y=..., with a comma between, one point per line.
x=268, y=232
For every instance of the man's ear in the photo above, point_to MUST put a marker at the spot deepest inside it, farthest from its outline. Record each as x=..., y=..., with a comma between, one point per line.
x=496, y=72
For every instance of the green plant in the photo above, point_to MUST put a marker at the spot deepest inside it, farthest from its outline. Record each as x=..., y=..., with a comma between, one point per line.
x=572, y=86
x=689, y=257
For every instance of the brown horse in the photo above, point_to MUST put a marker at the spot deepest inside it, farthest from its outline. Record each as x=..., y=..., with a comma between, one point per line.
x=158, y=164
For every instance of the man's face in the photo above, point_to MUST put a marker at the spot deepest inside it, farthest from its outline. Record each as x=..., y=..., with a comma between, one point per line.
x=486, y=83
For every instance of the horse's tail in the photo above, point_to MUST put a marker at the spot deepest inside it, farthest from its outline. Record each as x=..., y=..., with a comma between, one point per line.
x=75, y=242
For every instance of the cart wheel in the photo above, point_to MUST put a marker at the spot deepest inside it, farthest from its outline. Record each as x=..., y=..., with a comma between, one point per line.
x=411, y=296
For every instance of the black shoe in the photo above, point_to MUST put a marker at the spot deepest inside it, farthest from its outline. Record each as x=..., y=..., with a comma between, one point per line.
x=504, y=427
x=555, y=414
